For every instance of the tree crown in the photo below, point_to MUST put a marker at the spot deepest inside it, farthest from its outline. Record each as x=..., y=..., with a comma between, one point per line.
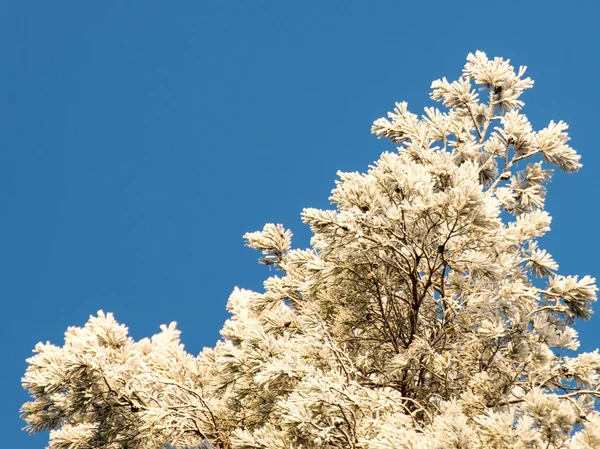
x=425, y=314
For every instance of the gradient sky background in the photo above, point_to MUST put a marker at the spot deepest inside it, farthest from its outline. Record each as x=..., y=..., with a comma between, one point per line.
x=139, y=140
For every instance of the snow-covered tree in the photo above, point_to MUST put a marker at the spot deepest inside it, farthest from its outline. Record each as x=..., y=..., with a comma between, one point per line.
x=424, y=315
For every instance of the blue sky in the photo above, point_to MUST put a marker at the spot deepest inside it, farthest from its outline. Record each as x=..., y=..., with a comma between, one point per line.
x=140, y=140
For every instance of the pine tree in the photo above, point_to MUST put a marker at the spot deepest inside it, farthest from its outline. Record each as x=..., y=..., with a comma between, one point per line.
x=424, y=315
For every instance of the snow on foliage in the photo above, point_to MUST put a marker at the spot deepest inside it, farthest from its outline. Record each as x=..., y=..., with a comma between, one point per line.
x=422, y=316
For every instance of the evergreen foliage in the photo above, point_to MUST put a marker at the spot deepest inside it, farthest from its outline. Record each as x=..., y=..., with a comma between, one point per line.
x=424, y=315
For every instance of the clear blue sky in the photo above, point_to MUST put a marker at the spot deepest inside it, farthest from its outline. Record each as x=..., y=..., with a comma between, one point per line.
x=140, y=140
